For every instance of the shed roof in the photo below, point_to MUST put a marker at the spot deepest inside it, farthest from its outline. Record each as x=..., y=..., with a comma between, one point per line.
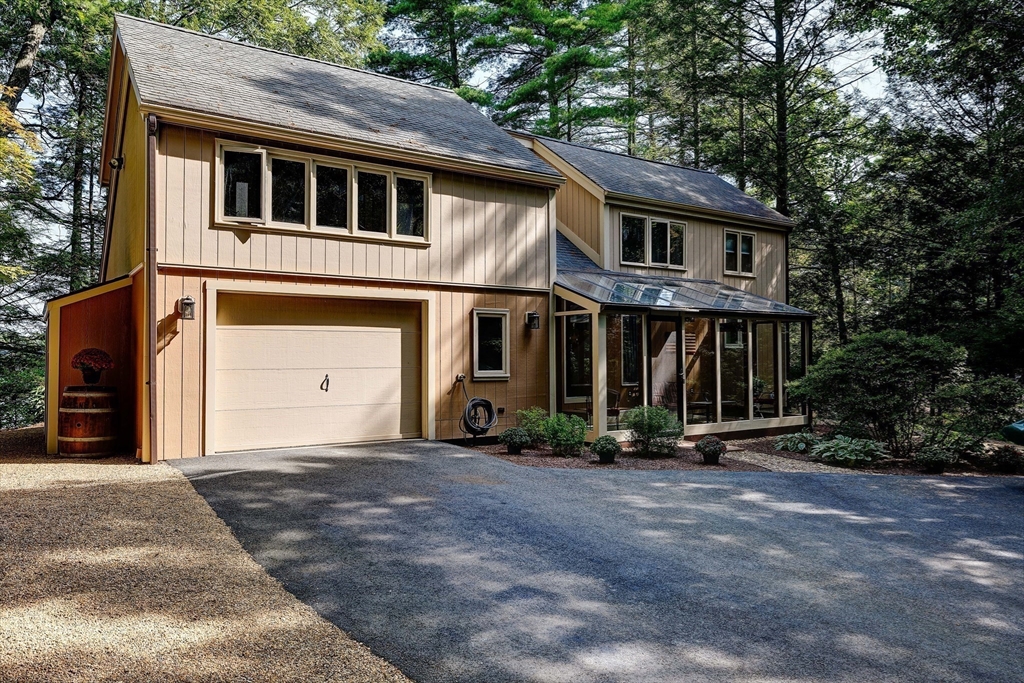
x=577, y=273
x=659, y=181
x=185, y=70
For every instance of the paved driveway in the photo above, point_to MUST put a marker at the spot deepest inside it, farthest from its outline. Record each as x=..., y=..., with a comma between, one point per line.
x=460, y=567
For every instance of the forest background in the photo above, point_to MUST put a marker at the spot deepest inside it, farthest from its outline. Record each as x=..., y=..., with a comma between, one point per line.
x=891, y=131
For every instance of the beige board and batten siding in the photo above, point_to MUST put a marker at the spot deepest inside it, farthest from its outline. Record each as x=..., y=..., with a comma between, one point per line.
x=704, y=253
x=482, y=231
x=181, y=381
x=128, y=224
x=581, y=212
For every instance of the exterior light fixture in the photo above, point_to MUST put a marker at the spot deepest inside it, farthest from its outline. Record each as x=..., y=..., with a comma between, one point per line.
x=117, y=163
x=186, y=308
x=533, y=320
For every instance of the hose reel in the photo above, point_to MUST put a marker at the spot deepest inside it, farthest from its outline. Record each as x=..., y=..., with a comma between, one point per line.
x=479, y=416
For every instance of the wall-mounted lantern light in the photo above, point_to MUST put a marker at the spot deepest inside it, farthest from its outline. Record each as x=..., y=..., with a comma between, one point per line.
x=533, y=320
x=186, y=307
x=117, y=163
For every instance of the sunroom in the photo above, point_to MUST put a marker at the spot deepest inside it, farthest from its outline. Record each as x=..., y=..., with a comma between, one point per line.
x=716, y=356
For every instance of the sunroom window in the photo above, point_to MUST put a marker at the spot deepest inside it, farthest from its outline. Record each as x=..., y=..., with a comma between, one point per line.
x=243, y=184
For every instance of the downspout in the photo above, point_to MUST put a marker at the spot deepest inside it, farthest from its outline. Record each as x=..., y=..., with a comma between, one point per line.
x=151, y=129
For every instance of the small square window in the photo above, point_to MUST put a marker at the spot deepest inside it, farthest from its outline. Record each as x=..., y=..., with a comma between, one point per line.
x=490, y=343
x=243, y=184
x=410, y=199
x=331, y=196
x=373, y=202
x=288, y=191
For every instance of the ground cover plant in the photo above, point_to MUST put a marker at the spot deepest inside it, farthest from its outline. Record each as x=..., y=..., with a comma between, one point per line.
x=800, y=442
x=849, y=452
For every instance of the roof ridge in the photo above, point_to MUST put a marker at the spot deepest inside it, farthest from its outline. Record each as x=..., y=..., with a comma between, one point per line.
x=122, y=15
x=628, y=156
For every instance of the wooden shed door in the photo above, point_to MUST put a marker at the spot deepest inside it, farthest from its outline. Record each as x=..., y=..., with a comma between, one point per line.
x=296, y=371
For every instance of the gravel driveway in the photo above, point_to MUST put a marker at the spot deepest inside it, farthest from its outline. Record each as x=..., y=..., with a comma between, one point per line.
x=457, y=566
x=112, y=571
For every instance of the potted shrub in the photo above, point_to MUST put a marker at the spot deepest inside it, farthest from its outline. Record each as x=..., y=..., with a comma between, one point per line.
x=711, y=449
x=605, y=448
x=566, y=434
x=92, y=363
x=514, y=440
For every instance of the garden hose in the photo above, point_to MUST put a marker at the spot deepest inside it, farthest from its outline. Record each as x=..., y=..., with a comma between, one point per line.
x=479, y=417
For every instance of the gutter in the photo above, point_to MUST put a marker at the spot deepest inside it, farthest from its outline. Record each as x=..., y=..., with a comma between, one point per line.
x=151, y=132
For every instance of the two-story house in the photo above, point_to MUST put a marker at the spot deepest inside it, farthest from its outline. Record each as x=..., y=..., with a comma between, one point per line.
x=300, y=253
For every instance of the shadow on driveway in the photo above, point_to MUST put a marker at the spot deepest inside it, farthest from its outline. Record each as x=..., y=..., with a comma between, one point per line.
x=456, y=566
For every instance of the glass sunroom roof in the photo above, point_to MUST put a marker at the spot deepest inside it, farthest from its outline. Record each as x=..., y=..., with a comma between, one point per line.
x=610, y=288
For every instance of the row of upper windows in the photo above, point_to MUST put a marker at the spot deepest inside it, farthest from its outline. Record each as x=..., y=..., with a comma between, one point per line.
x=647, y=241
x=283, y=189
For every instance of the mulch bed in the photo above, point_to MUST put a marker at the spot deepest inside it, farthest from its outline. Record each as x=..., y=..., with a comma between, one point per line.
x=766, y=445
x=687, y=459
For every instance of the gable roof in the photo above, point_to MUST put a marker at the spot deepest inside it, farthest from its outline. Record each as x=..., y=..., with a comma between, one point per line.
x=621, y=174
x=184, y=70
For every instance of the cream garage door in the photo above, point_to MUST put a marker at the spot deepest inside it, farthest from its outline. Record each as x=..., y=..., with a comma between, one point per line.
x=274, y=353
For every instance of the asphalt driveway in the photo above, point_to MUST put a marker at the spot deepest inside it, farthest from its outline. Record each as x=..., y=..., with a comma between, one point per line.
x=456, y=566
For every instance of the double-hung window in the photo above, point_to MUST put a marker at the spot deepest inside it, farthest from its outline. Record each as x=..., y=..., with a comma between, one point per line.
x=490, y=343
x=287, y=190
x=739, y=253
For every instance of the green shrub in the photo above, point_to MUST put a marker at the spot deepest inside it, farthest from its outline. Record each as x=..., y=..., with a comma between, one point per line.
x=516, y=438
x=1006, y=458
x=801, y=442
x=532, y=419
x=566, y=434
x=711, y=446
x=849, y=452
x=880, y=385
x=652, y=430
x=934, y=458
x=605, y=447
x=977, y=408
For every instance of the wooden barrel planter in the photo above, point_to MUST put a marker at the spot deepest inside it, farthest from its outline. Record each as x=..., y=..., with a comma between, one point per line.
x=87, y=427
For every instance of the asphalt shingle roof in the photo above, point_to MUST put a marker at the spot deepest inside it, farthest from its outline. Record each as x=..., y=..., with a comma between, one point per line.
x=178, y=68
x=623, y=174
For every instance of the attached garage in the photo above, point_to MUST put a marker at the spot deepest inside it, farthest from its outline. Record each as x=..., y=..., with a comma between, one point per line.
x=305, y=370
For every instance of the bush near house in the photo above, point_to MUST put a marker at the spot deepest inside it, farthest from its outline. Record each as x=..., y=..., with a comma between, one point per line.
x=1006, y=459
x=566, y=434
x=907, y=392
x=653, y=431
x=532, y=419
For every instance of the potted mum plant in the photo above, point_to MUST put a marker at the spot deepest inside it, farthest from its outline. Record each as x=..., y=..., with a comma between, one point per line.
x=92, y=363
x=711, y=449
x=605, y=448
x=514, y=439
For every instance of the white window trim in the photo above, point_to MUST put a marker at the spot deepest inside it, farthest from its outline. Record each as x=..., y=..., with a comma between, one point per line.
x=739, y=253
x=224, y=146
x=502, y=313
x=311, y=226
x=647, y=240
x=269, y=192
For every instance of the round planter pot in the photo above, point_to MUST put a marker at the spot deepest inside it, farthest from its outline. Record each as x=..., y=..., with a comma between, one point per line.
x=91, y=375
x=606, y=459
x=710, y=459
x=514, y=450
x=935, y=469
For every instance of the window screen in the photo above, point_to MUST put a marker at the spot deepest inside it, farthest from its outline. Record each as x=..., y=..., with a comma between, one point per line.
x=731, y=252
x=410, y=206
x=677, y=237
x=331, y=197
x=747, y=253
x=373, y=202
x=243, y=184
x=659, y=242
x=288, y=191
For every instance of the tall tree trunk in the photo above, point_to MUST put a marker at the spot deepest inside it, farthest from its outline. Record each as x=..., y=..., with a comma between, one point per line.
x=77, y=276
x=695, y=92
x=453, y=55
x=836, y=276
x=630, y=92
x=21, y=73
x=781, y=113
